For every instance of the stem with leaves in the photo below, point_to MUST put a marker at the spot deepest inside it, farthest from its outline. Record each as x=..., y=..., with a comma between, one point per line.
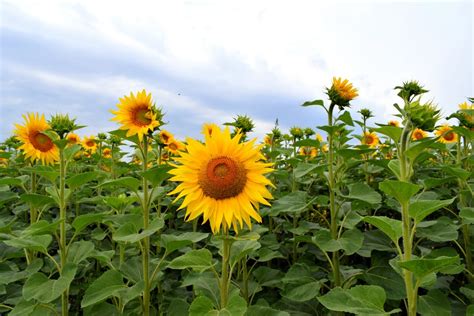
x=146, y=241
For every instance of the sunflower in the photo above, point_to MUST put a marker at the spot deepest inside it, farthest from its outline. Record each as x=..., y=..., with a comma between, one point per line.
x=319, y=138
x=394, y=123
x=308, y=151
x=446, y=134
x=36, y=144
x=325, y=148
x=165, y=137
x=341, y=92
x=267, y=140
x=419, y=134
x=73, y=139
x=136, y=114
x=223, y=180
x=466, y=106
x=175, y=146
x=107, y=153
x=370, y=139
x=89, y=144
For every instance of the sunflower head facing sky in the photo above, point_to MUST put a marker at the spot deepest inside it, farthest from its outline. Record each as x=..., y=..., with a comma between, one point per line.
x=341, y=92
x=89, y=144
x=137, y=115
x=370, y=139
x=446, y=134
x=222, y=179
x=36, y=144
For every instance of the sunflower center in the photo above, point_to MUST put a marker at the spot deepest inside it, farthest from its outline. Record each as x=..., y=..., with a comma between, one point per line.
x=172, y=146
x=41, y=142
x=449, y=136
x=222, y=178
x=369, y=139
x=141, y=116
x=90, y=143
x=418, y=135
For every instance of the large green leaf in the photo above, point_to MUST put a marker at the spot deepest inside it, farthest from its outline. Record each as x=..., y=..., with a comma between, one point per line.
x=467, y=215
x=420, y=209
x=242, y=248
x=45, y=290
x=41, y=227
x=36, y=243
x=9, y=276
x=303, y=292
x=82, y=221
x=127, y=182
x=36, y=200
x=82, y=178
x=131, y=233
x=80, y=250
x=391, y=131
x=292, y=203
x=435, y=303
x=174, y=242
x=314, y=102
x=350, y=241
x=197, y=260
x=359, y=300
x=391, y=227
x=422, y=267
x=400, y=190
x=157, y=174
x=362, y=192
x=107, y=285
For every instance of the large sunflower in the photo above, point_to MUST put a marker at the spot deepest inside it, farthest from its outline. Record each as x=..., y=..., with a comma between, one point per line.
x=36, y=144
x=370, y=139
x=136, y=114
x=89, y=144
x=446, y=134
x=222, y=179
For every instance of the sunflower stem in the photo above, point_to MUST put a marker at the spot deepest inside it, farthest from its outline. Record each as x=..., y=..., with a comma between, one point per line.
x=146, y=240
x=62, y=227
x=224, y=282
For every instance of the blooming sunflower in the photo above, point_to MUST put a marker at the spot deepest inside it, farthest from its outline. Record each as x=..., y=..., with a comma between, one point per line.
x=165, y=137
x=223, y=180
x=73, y=139
x=36, y=144
x=370, y=139
x=319, y=137
x=107, y=153
x=136, y=114
x=341, y=92
x=89, y=144
x=446, y=134
x=394, y=123
x=419, y=134
x=308, y=151
x=174, y=146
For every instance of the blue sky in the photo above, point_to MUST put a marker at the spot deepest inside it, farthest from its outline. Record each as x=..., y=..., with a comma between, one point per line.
x=207, y=61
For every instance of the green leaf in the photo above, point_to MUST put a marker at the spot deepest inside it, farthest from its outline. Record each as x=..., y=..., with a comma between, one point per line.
x=36, y=200
x=174, y=242
x=45, y=290
x=362, y=192
x=130, y=233
x=417, y=148
x=391, y=227
x=348, y=153
x=420, y=209
x=82, y=178
x=314, y=102
x=304, y=168
x=82, y=221
x=391, y=131
x=11, y=181
x=201, y=305
x=441, y=230
x=23, y=308
x=157, y=174
x=123, y=134
x=54, y=193
x=127, y=182
x=307, y=142
x=350, y=241
x=107, y=285
x=9, y=276
x=434, y=304
x=387, y=278
x=259, y=310
x=37, y=243
x=45, y=171
x=242, y=248
x=197, y=260
x=41, y=227
x=467, y=215
x=400, y=190
x=294, y=202
x=70, y=151
x=423, y=267
x=302, y=293
x=346, y=118
x=79, y=251
x=359, y=300
x=394, y=166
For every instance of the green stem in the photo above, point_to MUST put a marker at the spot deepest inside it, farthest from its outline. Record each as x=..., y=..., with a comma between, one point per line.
x=224, y=282
x=332, y=199
x=146, y=240
x=62, y=227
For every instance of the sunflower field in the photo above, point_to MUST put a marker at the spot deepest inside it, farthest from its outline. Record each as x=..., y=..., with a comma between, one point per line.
x=352, y=217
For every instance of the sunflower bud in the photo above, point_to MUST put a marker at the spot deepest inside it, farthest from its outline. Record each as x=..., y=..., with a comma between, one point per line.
x=308, y=132
x=102, y=136
x=366, y=114
x=242, y=123
x=12, y=142
x=62, y=124
x=115, y=140
x=410, y=90
x=423, y=116
x=296, y=132
x=276, y=133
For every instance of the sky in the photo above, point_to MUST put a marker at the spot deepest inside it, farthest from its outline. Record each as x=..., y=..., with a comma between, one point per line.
x=208, y=61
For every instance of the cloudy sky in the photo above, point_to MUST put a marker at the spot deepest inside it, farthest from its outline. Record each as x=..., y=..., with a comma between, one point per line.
x=207, y=61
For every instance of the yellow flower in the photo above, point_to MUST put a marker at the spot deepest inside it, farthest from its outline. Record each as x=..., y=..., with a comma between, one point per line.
x=223, y=180
x=73, y=139
x=466, y=106
x=419, y=134
x=3, y=161
x=325, y=148
x=89, y=144
x=107, y=153
x=136, y=114
x=36, y=144
x=319, y=137
x=446, y=134
x=175, y=146
x=165, y=137
x=394, y=123
x=344, y=89
x=208, y=129
x=267, y=140
x=370, y=139
x=308, y=151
